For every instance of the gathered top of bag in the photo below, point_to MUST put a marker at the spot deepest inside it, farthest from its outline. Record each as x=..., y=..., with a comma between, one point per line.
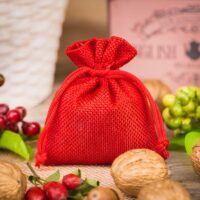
x=101, y=54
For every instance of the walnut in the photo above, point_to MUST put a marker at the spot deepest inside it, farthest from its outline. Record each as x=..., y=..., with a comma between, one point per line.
x=164, y=190
x=196, y=158
x=102, y=193
x=12, y=182
x=136, y=168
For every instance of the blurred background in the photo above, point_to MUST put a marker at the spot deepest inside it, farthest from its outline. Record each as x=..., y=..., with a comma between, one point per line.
x=33, y=38
x=83, y=20
x=34, y=35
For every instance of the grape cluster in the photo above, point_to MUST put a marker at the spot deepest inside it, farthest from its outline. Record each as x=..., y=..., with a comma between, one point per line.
x=12, y=119
x=182, y=110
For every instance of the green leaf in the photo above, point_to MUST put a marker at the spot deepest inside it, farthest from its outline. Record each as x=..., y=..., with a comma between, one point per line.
x=74, y=194
x=83, y=189
x=191, y=140
x=13, y=142
x=30, y=151
x=93, y=183
x=77, y=172
x=177, y=143
x=53, y=177
x=87, y=185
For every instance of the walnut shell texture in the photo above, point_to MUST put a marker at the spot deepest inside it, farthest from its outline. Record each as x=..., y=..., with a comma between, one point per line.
x=102, y=193
x=12, y=182
x=164, y=190
x=134, y=169
x=196, y=158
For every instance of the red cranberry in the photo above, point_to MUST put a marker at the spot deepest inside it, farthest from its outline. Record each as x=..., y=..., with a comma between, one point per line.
x=71, y=181
x=13, y=127
x=13, y=116
x=55, y=191
x=30, y=129
x=35, y=193
x=2, y=79
x=3, y=122
x=3, y=109
x=21, y=110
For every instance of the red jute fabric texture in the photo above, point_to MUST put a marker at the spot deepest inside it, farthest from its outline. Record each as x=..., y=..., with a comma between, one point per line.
x=100, y=111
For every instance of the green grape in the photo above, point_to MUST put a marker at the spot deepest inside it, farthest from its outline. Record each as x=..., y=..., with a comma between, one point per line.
x=168, y=100
x=190, y=107
x=198, y=112
x=166, y=114
x=183, y=109
x=186, y=124
x=192, y=115
x=189, y=91
x=182, y=97
x=198, y=95
x=177, y=110
x=174, y=123
x=194, y=91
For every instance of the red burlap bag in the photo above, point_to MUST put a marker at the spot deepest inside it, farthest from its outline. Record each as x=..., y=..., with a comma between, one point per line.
x=100, y=111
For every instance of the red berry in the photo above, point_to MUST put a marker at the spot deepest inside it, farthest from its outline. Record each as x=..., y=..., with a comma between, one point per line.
x=13, y=116
x=71, y=181
x=2, y=122
x=12, y=127
x=2, y=79
x=55, y=191
x=21, y=110
x=3, y=109
x=30, y=129
x=35, y=193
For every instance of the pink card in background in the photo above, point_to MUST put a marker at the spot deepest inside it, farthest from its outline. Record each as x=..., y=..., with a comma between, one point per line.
x=166, y=34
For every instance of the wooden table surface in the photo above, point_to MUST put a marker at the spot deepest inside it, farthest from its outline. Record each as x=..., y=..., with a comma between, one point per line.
x=179, y=163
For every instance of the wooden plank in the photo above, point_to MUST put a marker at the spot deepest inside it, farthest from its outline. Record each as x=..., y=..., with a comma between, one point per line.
x=181, y=170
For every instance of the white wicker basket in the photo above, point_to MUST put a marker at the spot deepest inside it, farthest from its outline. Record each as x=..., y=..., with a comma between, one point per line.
x=29, y=39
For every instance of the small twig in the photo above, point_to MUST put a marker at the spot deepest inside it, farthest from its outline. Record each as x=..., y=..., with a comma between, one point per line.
x=32, y=170
x=39, y=179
